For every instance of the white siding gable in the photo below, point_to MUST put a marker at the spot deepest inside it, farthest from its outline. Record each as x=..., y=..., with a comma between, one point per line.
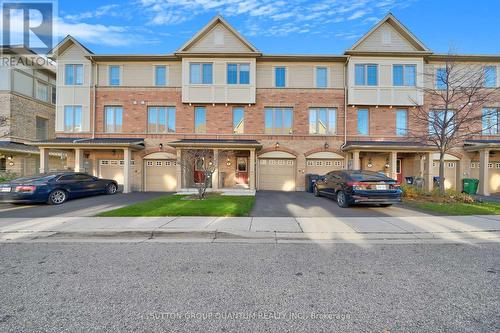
x=219, y=40
x=385, y=39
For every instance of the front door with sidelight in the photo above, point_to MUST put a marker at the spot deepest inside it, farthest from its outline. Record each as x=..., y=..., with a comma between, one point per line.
x=241, y=171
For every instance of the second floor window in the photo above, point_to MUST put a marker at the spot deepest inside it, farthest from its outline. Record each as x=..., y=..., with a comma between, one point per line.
x=238, y=120
x=42, y=128
x=200, y=119
x=73, y=74
x=366, y=74
x=363, y=121
x=113, y=119
x=53, y=94
x=278, y=120
x=401, y=122
x=322, y=120
x=161, y=75
x=161, y=119
x=72, y=118
x=441, y=79
x=42, y=91
x=321, y=77
x=404, y=75
x=200, y=73
x=490, y=76
x=238, y=73
x=490, y=121
x=280, y=77
x=440, y=120
x=114, y=75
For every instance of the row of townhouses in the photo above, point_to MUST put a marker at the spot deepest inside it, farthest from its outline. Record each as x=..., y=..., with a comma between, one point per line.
x=131, y=117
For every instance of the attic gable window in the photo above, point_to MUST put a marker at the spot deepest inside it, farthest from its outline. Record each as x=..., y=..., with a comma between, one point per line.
x=219, y=37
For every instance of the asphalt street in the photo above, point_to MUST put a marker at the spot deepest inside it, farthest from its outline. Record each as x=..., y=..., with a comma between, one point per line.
x=197, y=287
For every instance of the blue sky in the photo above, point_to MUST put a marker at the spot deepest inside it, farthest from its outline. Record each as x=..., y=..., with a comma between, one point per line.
x=280, y=26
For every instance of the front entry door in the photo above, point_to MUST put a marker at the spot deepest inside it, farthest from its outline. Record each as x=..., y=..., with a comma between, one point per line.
x=241, y=171
x=399, y=171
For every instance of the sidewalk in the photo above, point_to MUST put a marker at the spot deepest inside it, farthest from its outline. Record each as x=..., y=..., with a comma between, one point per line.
x=259, y=229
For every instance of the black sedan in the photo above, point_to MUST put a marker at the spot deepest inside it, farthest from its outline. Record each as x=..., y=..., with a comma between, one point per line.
x=355, y=187
x=54, y=188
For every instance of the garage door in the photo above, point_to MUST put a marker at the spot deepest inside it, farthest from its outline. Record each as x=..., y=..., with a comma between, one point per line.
x=112, y=169
x=276, y=174
x=160, y=175
x=450, y=173
x=322, y=167
x=493, y=172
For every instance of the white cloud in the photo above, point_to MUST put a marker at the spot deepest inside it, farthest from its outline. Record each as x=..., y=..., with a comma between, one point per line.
x=100, y=11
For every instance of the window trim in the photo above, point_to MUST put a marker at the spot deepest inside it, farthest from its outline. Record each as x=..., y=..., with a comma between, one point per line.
x=166, y=107
x=406, y=122
x=238, y=73
x=495, y=83
x=328, y=130
x=243, y=120
x=368, y=121
x=365, y=75
x=404, y=75
x=114, y=107
x=201, y=73
x=120, y=70
x=436, y=85
x=73, y=125
x=155, y=76
x=38, y=83
x=327, y=83
x=497, y=125
x=274, y=77
x=46, y=120
x=273, y=127
x=434, y=111
x=75, y=66
x=194, y=118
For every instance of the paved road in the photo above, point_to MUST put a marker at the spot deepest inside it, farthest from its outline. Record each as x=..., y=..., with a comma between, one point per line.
x=87, y=287
x=304, y=204
x=88, y=206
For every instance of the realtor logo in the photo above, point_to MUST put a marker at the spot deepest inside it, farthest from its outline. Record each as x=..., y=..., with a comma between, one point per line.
x=28, y=24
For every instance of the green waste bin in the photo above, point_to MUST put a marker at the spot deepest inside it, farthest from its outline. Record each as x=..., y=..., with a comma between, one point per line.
x=470, y=185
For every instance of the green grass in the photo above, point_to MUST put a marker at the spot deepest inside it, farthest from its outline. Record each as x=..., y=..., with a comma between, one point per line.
x=485, y=208
x=178, y=205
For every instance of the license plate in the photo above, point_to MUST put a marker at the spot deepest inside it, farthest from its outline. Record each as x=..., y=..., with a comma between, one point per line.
x=381, y=187
x=4, y=189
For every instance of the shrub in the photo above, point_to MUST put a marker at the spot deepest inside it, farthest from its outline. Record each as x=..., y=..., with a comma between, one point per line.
x=7, y=175
x=455, y=196
x=411, y=192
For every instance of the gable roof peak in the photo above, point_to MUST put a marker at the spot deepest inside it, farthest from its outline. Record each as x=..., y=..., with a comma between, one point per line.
x=391, y=19
x=217, y=19
x=65, y=44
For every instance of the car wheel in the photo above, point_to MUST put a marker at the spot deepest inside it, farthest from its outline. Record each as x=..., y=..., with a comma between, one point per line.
x=385, y=205
x=316, y=191
x=57, y=197
x=342, y=200
x=111, y=188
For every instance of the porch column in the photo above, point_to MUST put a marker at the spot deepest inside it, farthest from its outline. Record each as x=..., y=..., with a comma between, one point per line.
x=126, y=170
x=251, y=176
x=346, y=161
x=44, y=160
x=178, y=169
x=78, y=160
x=484, y=160
x=428, y=178
x=394, y=162
x=215, y=175
x=356, y=163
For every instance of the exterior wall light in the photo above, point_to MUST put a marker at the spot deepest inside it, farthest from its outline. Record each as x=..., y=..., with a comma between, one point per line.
x=326, y=145
x=277, y=145
x=370, y=164
x=161, y=146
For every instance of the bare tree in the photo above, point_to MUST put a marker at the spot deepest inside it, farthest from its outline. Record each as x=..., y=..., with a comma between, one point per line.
x=455, y=95
x=199, y=165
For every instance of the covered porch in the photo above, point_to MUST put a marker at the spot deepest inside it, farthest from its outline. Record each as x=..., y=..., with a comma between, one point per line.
x=485, y=165
x=84, y=155
x=397, y=160
x=233, y=161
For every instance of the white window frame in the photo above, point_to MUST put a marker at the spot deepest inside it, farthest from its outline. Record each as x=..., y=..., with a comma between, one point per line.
x=114, y=108
x=238, y=70
x=404, y=81
x=327, y=77
x=274, y=76
x=47, y=96
x=329, y=131
x=167, y=71
x=120, y=75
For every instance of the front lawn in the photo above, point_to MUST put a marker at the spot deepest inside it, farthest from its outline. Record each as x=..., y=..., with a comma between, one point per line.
x=456, y=208
x=182, y=205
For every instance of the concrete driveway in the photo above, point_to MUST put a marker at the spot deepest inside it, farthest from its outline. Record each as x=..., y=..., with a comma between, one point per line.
x=88, y=206
x=305, y=204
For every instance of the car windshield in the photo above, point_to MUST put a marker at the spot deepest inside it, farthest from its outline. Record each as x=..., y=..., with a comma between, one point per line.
x=41, y=178
x=368, y=176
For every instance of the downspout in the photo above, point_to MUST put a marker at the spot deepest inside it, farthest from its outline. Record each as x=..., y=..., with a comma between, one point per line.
x=94, y=82
x=345, y=104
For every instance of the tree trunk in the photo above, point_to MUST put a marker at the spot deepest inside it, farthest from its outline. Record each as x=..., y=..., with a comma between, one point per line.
x=441, y=173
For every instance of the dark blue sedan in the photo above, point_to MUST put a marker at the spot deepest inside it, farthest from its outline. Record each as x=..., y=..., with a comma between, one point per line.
x=55, y=188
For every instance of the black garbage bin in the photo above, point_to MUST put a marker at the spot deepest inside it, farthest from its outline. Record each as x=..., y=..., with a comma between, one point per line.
x=409, y=180
x=436, y=181
x=310, y=180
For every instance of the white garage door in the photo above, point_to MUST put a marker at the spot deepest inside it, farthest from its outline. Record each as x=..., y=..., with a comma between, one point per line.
x=160, y=175
x=322, y=167
x=112, y=169
x=450, y=173
x=276, y=174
